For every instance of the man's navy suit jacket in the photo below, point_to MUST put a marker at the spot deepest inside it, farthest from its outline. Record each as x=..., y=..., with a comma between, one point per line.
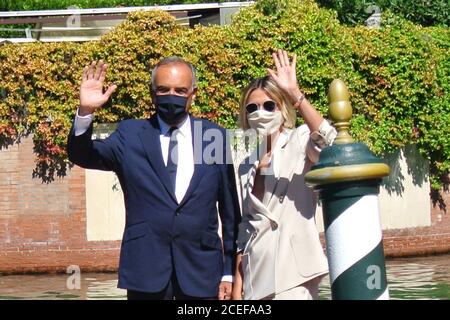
x=160, y=233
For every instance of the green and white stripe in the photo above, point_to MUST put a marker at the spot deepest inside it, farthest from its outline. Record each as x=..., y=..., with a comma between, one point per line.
x=355, y=247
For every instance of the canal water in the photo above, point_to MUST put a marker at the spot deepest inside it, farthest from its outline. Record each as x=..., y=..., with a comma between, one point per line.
x=408, y=278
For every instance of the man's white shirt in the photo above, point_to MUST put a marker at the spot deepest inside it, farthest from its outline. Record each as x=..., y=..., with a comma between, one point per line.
x=185, y=165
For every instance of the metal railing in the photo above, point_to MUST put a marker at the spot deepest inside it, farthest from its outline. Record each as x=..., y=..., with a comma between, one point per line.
x=69, y=20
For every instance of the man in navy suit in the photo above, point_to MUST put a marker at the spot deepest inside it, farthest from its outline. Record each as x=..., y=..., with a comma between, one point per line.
x=172, y=190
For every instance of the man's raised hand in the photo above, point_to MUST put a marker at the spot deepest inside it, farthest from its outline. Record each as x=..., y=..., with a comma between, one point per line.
x=92, y=96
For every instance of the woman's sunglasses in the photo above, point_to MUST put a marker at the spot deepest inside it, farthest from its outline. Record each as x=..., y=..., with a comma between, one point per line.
x=267, y=105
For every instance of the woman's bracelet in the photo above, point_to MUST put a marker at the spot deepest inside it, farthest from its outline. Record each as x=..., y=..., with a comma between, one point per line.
x=299, y=101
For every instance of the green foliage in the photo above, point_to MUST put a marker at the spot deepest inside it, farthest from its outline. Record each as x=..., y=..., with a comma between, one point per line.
x=426, y=13
x=403, y=72
x=398, y=76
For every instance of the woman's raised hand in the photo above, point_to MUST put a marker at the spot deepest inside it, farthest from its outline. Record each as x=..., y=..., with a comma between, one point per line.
x=285, y=74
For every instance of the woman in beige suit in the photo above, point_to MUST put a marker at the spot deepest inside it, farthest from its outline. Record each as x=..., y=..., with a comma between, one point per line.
x=279, y=252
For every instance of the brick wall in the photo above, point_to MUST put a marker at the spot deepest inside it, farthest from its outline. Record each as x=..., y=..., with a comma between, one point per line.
x=434, y=239
x=43, y=226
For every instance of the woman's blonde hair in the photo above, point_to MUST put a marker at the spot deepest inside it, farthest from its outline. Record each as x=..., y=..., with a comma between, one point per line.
x=274, y=92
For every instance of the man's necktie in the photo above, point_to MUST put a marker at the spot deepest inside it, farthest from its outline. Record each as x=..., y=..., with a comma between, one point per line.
x=172, y=157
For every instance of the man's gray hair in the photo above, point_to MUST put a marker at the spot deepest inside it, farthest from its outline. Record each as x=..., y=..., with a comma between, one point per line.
x=174, y=60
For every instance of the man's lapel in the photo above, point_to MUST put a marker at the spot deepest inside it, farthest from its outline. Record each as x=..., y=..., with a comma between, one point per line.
x=152, y=146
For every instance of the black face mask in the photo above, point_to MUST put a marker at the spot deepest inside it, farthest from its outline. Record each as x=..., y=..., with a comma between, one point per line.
x=171, y=108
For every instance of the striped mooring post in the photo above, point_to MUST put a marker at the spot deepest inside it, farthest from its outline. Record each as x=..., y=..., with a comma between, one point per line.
x=347, y=178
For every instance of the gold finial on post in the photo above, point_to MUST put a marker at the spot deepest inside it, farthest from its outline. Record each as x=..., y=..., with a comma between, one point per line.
x=340, y=110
